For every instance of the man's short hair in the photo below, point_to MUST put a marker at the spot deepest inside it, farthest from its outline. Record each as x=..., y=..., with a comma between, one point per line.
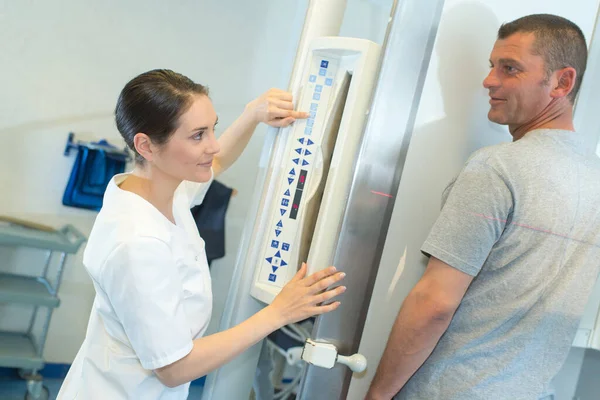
x=558, y=41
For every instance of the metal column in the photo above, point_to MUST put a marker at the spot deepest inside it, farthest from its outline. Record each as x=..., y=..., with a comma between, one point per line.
x=378, y=169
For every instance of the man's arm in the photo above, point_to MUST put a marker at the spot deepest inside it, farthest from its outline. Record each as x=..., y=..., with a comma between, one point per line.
x=274, y=108
x=422, y=320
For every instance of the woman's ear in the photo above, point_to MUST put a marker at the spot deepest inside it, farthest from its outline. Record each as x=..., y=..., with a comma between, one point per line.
x=143, y=145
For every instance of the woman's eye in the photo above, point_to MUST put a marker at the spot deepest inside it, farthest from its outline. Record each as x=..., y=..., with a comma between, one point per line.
x=198, y=136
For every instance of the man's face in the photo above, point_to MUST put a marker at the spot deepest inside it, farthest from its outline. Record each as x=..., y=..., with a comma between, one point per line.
x=517, y=82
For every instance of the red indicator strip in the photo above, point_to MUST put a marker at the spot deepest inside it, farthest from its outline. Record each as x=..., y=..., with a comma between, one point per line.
x=535, y=229
x=382, y=194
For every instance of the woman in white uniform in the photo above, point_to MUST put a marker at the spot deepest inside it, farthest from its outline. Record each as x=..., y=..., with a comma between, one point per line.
x=147, y=261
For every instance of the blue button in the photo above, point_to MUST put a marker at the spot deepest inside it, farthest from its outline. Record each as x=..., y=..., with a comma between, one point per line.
x=295, y=160
x=285, y=247
x=274, y=268
x=324, y=64
x=319, y=88
x=304, y=162
x=280, y=224
x=274, y=244
x=293, y=172
x=299, y=150
x=316, y=96
x=285, y=202
x=270, y=259
x=287, y=193
x=314, y=106
x=290, y=180
x=328, y=81
x=310, y=122
x=283, y=263
x=309, y=142
x=278, y=254
x=322, y=71
x=301, y=140
x=307, y=153
x=282, y=211
x=312, y=78
x=272, y=277
x=277, y=233
x=308, y=130
x=313, y=114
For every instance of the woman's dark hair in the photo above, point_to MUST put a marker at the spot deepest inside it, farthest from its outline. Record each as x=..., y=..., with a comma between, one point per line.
x=152, y=103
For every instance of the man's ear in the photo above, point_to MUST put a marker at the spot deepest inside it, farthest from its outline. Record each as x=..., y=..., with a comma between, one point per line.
x=564, y=82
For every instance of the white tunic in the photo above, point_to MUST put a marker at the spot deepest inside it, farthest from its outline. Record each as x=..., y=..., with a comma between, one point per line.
x=153, y=297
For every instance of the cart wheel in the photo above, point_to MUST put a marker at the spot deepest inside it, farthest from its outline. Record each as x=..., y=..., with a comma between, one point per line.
x=24, y=374
x=42, y=393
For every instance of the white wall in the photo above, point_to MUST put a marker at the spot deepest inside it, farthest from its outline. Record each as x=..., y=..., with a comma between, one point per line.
x=451, y=123
x=63, y=65
x=366, y=19
x=588, y=102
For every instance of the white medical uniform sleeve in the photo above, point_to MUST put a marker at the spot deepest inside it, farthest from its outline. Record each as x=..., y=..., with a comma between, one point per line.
x=472, y=220
x=144, y=288
x=195, y=191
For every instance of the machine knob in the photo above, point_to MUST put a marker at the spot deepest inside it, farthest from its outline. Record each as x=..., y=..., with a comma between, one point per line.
x=357, y=362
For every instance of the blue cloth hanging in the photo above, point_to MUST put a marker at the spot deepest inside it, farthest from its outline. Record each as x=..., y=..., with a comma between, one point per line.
x=93, y=169
x=210, y=219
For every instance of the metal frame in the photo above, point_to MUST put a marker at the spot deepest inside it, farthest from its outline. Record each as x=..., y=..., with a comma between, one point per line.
x=67, y=240
x=35, y=385
x=407, y=51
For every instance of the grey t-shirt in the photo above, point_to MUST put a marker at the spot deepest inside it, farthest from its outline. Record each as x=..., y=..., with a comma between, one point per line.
x=523, y=218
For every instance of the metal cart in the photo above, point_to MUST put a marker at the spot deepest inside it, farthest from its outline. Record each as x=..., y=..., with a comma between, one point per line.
x=21, y=349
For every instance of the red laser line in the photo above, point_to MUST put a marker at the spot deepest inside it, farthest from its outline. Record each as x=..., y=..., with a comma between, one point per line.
x=535, y=229
x=382, y=194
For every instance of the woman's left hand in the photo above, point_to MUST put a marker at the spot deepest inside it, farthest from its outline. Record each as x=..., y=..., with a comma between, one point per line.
x=274, y=108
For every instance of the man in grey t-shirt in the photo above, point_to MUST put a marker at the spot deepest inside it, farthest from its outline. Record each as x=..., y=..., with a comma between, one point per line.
x=516, y=249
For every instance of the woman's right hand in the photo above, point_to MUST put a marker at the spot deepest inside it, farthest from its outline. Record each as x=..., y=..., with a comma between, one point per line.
x=299, y=299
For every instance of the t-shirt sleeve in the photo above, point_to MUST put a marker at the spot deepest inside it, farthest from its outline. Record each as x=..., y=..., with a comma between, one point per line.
x=145, y=291
x=195, y=191
x=472, y=218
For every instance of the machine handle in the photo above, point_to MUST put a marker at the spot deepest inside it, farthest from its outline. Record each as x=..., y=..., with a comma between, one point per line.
x=356, y=362
x=325, y=355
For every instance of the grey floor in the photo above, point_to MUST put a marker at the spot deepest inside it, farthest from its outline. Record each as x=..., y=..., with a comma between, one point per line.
x=11, y=389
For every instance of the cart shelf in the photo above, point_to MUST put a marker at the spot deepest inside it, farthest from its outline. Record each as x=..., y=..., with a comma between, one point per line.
x=17, y=351
x=33, y=290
